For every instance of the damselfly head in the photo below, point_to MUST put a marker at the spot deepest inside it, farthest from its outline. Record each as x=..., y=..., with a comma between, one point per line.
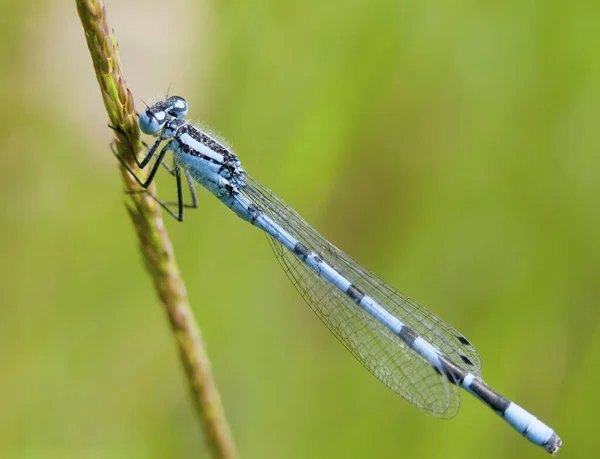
x=153, y=119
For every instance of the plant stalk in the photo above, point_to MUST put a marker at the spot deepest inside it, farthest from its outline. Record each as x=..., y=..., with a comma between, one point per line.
x=156, y=248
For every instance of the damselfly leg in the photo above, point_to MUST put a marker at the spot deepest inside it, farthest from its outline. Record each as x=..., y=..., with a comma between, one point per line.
x=174, y=171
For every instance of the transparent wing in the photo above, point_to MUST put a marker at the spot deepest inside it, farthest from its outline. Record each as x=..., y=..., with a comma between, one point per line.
x=382, y=352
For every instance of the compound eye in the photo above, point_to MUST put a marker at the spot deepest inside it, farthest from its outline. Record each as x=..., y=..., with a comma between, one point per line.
x=152, y=122
x=179, y=106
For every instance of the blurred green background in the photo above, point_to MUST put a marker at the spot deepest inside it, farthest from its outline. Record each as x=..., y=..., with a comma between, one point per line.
x=451, y=147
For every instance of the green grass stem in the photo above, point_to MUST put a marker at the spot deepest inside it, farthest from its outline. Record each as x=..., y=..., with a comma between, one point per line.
x=156, y=248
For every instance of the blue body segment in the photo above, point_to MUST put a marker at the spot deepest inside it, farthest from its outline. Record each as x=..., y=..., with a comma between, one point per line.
x=408, y=348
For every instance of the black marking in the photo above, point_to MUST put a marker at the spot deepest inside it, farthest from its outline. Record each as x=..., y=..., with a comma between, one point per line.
x=355, y=293
x=489, y=396
x=255, y=211
x=466, y=359
x=486, y=394
x=301, y=251
x=408, y=335
x=318, y=259
x=453, y=372
x=463, y=340
x=227, y=169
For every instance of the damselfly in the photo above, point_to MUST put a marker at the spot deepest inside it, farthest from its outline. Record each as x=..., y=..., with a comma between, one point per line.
x=408, y=348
